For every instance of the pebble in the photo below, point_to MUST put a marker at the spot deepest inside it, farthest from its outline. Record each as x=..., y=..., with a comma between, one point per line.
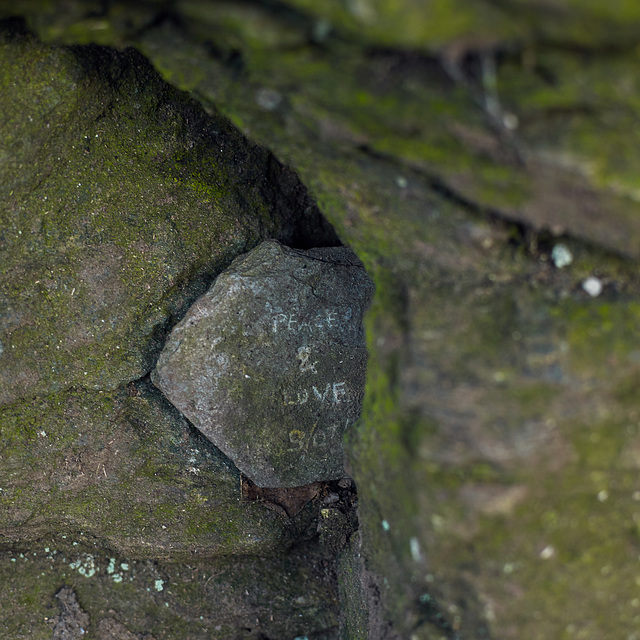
x=593, y=286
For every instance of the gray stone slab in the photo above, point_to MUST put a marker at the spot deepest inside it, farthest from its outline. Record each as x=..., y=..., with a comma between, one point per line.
x=270, y=363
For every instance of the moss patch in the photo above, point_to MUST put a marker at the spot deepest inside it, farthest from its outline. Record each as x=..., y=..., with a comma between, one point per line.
x=123, y=198
x=125, y=468
x=278, y=597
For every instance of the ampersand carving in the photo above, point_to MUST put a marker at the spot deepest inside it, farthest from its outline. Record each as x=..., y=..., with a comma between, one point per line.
x=304, y=353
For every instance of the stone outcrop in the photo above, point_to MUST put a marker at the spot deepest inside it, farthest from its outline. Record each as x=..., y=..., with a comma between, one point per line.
x=121, y=200
x=497, y=454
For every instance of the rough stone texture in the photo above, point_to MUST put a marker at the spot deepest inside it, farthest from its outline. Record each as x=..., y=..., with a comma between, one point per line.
x=359, y=596
x=73, y=622
x=120, y=199
x=490, y=504
x=497, y=455
x=270, y=363
x=122, y=598
x=126, y=468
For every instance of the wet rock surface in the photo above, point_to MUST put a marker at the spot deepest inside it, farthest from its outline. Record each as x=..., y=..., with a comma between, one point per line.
x=270, y=363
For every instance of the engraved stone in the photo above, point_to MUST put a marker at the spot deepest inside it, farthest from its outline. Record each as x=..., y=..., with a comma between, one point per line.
x=270, y=363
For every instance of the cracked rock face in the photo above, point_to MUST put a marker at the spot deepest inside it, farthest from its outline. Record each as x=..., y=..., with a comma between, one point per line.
x=270, y=363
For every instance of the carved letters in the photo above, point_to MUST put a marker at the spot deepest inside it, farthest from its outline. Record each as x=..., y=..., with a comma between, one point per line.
x=270, y=363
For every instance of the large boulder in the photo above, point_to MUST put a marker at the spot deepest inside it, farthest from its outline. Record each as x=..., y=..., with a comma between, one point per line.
x=121, y=200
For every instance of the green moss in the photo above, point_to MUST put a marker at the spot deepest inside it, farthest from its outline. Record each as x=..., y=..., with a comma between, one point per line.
x=411, y=23
x=568, y=549
x=589, y=98
x=299, y=597
x=600, y=333
x=126, y=199
x=128, y=470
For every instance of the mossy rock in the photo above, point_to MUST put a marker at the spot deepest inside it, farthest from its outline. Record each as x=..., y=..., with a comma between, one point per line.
x=436, y=25
x=116, y=596
x=498, y=450
x=124, y=467
x=121, y=199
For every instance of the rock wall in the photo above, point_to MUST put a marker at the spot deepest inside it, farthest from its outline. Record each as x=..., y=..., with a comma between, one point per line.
x=481, y=160
x=122, y=200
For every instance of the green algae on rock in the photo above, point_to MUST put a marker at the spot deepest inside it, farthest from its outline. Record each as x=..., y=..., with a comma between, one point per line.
x=200, y=598
x=270, y=363
x=125, y=468
x=120, y=199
